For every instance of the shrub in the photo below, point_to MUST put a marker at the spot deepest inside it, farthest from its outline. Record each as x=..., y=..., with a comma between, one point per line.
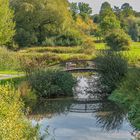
x=88, y=46
x=31, y=63
x=128, y=94
x=48, y=42
x=52, y=83
x=8, y=60
x=118, y=40
x=27, y=95
x=112, y=68
x=69, y=38
x=25, y=38
x=13, y=124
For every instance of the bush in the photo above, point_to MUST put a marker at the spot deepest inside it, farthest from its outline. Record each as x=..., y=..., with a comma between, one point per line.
x=118, y=40
x=25, y=38
x=52, y=83
x=31, y=63
x=8, y=60
x=128, y=94
x=28, y=96
x=48, y=42
x=69, y=38
x=13, y=124
x=112, y=68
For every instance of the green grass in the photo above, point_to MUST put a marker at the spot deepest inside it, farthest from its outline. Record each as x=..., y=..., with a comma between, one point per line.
x=133, y=55
x=13, y=81
x=57, y=49
x=57, y=54
x=100, y=46
x=11, y=72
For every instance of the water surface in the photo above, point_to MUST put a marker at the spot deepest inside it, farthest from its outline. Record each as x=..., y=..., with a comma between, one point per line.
x=81, y=118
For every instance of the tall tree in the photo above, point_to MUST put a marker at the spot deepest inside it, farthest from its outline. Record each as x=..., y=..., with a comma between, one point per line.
x=6, y=23
x=117, y=12
x=37, y=19
x=132, y=27
x=85, y=10
x=108, y=20
x=105, y=9
x=127, y=10
x=74, y=10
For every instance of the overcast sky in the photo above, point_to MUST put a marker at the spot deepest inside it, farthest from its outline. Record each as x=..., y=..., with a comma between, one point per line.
x=96, y=4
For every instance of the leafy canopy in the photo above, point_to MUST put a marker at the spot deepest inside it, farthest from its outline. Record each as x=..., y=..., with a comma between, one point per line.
x=6, y=23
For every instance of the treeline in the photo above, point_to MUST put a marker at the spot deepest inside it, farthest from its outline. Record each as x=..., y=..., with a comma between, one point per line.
x=41, y=22
x=125, y=18
x=60, y=23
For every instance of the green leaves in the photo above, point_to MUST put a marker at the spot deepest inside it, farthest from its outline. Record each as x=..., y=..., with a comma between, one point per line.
x=6, y=23
x=38, y=19
x=52, y=83
x=118, y=40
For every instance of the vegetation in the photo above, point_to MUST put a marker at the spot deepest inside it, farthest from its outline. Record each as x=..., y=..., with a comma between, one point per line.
x=108, y=19
x=36, y=34
x=128, y=94
x=48, y=27
x=112, y=68
x=52, y=83
x=118, y=40
x=6, y=23
x=8, y=60
x=13, y=124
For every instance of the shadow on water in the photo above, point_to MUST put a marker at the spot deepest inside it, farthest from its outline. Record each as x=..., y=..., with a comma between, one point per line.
x=110, y=116
x=82, y=117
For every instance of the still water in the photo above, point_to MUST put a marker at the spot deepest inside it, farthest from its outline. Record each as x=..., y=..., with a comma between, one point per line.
x=81, y=118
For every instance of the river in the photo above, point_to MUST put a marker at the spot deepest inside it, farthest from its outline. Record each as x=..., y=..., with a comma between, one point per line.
x=84, y=117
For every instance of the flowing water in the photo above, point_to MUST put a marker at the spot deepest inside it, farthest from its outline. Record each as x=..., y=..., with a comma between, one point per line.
x=81, y=118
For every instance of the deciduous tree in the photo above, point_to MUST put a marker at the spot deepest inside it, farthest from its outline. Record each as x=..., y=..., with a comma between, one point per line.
x=6, y=23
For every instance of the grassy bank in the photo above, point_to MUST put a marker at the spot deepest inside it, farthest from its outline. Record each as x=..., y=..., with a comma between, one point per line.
x=58, y=54
x=52, y=55
x=15, y=81
x=128, y=94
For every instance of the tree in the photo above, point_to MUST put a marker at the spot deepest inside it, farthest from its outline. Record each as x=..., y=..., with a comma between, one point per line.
x=108, y=20
x=74, y=10
x=117, y=12
x=86, y=27
x=38, y=19
x=85, y=10
x=109, y=23
x=113, y=68
x=132, y=27
x=105, y=9
x=6, y=23
x=118, y=40
x=127, y=10
x=96, y=18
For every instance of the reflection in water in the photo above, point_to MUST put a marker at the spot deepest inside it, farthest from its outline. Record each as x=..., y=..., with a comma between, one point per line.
x=50, y=108
x=110, y=116
x=81, y=118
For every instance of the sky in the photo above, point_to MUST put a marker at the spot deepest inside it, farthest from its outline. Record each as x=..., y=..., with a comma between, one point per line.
x=96, y=4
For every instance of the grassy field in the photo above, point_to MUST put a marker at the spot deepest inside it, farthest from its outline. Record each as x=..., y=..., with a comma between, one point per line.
x=58, y=54
x=54, y=55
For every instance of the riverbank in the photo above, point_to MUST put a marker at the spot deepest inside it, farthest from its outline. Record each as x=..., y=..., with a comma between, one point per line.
x=128, y=94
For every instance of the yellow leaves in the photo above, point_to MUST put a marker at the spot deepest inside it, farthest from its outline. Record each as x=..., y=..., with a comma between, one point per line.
x=87, y=26
x=13, y=124
x=80, y=23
